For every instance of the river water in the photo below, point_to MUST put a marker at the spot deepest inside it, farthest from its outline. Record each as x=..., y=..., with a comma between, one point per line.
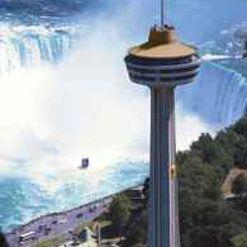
x=65, y=94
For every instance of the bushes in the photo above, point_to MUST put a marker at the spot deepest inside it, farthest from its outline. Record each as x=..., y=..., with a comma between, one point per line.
x=205, y=219
x=136, y=232
x=120, y=212
x=240, y=240
x=239, y=185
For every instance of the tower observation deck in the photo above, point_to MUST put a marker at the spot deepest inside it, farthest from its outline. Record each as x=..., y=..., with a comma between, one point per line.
x=162, y=63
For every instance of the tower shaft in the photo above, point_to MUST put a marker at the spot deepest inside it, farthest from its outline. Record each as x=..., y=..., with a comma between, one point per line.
x=162, y=14
x=163, y=213
x=162, y=63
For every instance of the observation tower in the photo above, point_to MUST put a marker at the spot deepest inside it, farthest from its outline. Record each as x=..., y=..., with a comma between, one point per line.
x=162, y=63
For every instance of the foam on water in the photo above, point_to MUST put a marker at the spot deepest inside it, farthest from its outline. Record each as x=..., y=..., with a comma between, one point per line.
x=64, y=95
x=59, y=113
x=212, y=57
x=23, y=46
x=218, y=97
x=53, y=115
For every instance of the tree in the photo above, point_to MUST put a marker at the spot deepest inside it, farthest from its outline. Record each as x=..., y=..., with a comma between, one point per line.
x=3, y=242
x=239, y=185
x=146, y=191
x=205, y=147
x=206, y=220
x=137, y=229
x=240, y=240
x=240, y=154
x=240, y=127
x=240, y=203
x=120, y=212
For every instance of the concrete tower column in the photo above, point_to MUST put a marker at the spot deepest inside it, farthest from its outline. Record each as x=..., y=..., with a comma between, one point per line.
x=162, y=63
x=163, y=210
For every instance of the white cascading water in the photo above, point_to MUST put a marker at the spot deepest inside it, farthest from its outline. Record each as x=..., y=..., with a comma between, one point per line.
x=219, y=97
x=52, y=115
x=65, y=95
x=22, y=46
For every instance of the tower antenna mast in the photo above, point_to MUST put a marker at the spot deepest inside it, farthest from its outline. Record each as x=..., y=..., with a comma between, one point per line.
x=162, y=63
x=162, y=13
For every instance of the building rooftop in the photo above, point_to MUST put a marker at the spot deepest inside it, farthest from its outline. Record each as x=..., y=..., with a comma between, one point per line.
x=162, y=43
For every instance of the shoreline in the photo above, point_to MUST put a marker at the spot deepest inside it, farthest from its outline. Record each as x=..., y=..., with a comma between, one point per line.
x=51, y=225
x=56, y=224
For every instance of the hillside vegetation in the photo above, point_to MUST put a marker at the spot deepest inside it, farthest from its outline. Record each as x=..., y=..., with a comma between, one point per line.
x=206, y=219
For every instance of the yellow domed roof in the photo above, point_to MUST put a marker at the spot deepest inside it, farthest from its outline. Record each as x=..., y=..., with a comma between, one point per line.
x=162, y=43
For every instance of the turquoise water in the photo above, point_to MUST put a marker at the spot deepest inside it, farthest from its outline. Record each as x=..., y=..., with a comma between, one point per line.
x=22, y=199
x=64, y=95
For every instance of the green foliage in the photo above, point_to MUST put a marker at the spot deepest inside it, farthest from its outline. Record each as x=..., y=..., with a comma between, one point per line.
x=43, y=244
x=237, y=140
x=3, y=242
x=239, y=184
x=55, y=242
x=146, y=191
x=241, y=203
x=240, y=127
x=120, y=211
x=137, y=229
x=81, y=226
x=240, y=155
x=197, y=179
x=203, y=218
x=240, y=240
x=206, y=220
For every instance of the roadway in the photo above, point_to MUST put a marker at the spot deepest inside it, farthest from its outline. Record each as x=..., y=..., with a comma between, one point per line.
x=52, y=225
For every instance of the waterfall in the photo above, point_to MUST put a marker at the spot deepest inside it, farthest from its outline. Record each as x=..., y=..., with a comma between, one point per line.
x=24, y=47
x=52, y=116
x=219, y=95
